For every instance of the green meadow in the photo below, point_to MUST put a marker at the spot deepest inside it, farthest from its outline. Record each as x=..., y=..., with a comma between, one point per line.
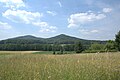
x=31, y=66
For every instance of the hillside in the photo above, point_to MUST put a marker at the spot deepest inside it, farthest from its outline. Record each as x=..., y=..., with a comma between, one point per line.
x=62, y=39
x=28, y=42
x=27, y=37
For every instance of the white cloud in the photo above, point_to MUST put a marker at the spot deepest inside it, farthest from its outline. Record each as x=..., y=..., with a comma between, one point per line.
x=59, y=3
x=45, y=27
x=13, y=4
x=22, y=16
x=72, y=25
x=94, y=31
x=4, y=25
x=40, y=24
x=84, y=31
x=52, y=13
x=107, y=10
x=76, y=20
x=48, y=29
x=34, y=18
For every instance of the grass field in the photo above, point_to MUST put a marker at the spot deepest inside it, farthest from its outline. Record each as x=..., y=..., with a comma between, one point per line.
x=17, y=66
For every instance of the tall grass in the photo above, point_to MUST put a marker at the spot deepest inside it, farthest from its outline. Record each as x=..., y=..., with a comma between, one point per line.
x=60, y=67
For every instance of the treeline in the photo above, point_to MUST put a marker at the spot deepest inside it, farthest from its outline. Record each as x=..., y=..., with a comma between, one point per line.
x=78, y=46
x=108, y=47
x=34, y=47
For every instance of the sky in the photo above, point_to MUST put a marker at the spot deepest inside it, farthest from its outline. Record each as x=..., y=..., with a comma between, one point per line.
x=86, y=19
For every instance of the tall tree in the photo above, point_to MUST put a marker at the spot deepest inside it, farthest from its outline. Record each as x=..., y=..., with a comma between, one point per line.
x=78, y=47
x=117, y=40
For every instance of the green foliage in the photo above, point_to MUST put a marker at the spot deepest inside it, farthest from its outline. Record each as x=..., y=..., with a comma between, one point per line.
x=78, y=47
x=69, y=47
x=26, y=47
x=58, y=47
x=45, y=44
x=96, y=46
x=110, y=45
x=117, y=40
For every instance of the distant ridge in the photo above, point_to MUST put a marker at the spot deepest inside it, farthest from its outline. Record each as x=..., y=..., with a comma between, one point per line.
x=62, y=39
x=63, y=36
x=26, y=37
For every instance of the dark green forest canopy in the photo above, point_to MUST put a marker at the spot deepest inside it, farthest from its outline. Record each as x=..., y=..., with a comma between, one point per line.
x=34, y=43
x=61, y=39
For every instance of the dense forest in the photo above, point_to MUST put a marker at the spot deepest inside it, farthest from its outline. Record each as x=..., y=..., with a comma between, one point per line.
x=25, y=43
x=60, y=43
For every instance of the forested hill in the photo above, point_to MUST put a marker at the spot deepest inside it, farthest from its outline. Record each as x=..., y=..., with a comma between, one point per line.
x=61, y=39
x=28, y=42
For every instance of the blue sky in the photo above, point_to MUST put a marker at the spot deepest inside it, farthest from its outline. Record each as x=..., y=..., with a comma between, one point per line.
x=86, y=19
